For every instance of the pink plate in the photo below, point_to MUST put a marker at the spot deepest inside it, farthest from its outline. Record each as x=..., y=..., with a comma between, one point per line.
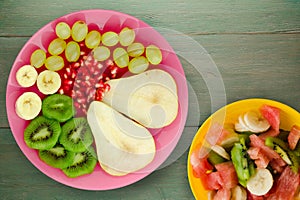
x=165, y=138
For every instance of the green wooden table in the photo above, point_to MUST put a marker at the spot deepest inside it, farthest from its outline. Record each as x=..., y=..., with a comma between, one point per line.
x=255, y=45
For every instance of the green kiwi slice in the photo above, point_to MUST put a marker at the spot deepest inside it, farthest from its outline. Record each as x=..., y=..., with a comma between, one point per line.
x=83, y=163
x=76, y=135
x=59, y=107
x=42, y=133
x=57, y=156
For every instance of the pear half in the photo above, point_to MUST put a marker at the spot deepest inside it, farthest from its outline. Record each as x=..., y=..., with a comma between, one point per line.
x=150, y=98
x=123, y=146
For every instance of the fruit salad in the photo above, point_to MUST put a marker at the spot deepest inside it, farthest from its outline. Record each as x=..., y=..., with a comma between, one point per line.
x=83, y=66
x=251, y=158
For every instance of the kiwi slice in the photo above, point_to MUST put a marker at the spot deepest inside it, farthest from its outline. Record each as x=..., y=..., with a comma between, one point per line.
x=59, y=107
x=76, y=135
x=57, y=156
x=42, y=133
x=215, y=158
x=83, y=163
x=282, y=149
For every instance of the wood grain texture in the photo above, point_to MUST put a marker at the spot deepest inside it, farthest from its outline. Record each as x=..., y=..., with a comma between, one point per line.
x=194, y=16
x=254, y=44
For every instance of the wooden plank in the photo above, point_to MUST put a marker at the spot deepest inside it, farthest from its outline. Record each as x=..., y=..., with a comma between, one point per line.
x=19, y=179
x=265, y=66
x=19, y=18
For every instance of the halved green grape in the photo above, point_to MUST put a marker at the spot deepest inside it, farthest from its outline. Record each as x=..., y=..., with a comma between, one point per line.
x=135, y=49
x=153, y=54
x=57, y=46
x=121, y=58
x=110, y=38
x=63, y=30
x=138, y=65
x=79, y=31
x=92, y=39
x=54, y=63
x=101, y=53
x=126, y=36
x=38, y=58
x=72, y=51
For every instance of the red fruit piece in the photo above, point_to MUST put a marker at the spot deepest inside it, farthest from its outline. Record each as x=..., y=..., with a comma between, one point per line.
x=260, y=159
x=270, y=133
x=223, y=194
x=272, y=115
x=259, y=143
x=200, y=165
x=212, y=181
x=228, y=174
x=294, y=137
x=286, y=186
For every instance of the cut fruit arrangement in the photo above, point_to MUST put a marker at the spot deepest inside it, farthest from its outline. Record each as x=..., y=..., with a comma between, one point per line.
x=252, y=158
x=84, y=109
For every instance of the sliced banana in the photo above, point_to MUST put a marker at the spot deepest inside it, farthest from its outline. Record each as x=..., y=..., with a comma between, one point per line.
x=261, y=182
x=256, y=122
x=221, y=151
x=28, y=105
x=238, y=193
x=48, y=82
x=243, y=123
x=26, y=76
x=240, y=127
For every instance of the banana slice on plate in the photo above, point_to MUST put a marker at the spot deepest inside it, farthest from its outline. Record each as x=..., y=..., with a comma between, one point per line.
x=256, y=122
x=252, y=121
x=241, y=126
x=261, y=182
x=48, y=82
x=26, y=76
x=238, y=193
x=28, y=105
x=221, y=151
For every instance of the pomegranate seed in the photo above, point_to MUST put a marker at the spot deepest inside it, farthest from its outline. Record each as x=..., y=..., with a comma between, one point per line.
x=113, y=70
x=109, y=62
x=81, y=101
x=81, y=44
x=75, y=65
x=89, y=58
x=73, y=76
x=113, y=76
x=106, y=87
x=87, y=63
x=67, y=82
x=95, y=62
x=99, y=66
x=65, y=76
x=68, y=70
x=61, y=91
x=77, y=105
x=91, y=96
x=73, y=93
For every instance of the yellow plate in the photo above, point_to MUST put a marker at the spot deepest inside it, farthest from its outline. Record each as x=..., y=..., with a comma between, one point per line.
x=229, y=114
